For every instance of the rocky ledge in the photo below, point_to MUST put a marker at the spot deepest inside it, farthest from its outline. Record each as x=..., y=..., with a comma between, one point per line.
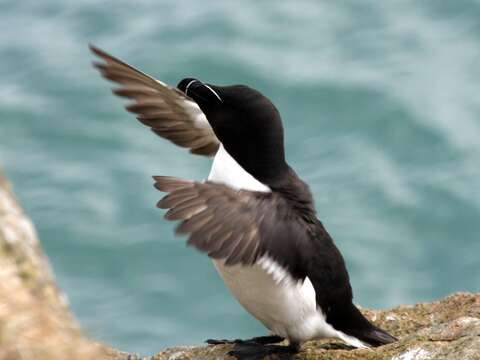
x=445, y=329
x=36, y=324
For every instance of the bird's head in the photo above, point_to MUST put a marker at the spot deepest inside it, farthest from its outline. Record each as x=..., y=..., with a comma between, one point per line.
x=246, y=123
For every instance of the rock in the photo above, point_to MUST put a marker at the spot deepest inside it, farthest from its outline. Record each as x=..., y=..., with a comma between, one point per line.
x=36, y=323
x=444, y=329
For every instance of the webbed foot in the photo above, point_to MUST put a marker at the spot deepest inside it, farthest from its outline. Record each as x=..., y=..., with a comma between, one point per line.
x=259, y=340
x=255, y=351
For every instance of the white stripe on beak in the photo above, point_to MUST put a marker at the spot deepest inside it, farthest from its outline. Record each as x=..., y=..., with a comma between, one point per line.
x=209, y=88
x=188, y=85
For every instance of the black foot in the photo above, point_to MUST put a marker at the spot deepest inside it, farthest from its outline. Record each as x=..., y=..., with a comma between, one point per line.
x=255, y=351
x=337, y=346
x=259, y=340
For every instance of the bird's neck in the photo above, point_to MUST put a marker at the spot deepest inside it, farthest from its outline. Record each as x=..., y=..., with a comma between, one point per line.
x=297, y=193
x=225, y=169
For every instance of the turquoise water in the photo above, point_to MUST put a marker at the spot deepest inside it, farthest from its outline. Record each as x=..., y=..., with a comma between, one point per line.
x=382, y=113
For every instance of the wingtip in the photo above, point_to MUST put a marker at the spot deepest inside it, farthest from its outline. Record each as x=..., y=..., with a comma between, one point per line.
x=169, y=178
x=158, y=177
x=98, y=65
x=158, y=182
x=101, y=53
x=170, y=183
x=94, y=49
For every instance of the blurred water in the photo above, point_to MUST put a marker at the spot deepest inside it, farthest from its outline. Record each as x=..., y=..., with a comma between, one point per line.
x=381, y=109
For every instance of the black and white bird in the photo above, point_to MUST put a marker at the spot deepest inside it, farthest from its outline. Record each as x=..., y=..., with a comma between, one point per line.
x=253, y=215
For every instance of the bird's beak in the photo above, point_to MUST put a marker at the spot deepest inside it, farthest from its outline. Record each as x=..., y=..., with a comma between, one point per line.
x=203, y=94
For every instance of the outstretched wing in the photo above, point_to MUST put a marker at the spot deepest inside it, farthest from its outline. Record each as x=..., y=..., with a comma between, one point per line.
x=238, y=226
x=166, y=110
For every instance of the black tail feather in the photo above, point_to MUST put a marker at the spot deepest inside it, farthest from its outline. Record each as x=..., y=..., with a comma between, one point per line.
x=351, y=321
x=375, y=337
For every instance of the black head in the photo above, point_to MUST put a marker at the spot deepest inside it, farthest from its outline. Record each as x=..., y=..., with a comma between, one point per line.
x=246, y=122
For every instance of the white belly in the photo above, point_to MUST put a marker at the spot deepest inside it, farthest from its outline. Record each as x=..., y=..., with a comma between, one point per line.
x=285, y=306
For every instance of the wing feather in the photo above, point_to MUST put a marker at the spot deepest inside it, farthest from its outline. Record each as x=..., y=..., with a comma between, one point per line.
x=166, y=110
x=234, y=225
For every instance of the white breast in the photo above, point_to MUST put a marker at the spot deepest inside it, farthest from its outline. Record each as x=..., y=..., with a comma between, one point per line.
x=266, y=290
x=227, y=171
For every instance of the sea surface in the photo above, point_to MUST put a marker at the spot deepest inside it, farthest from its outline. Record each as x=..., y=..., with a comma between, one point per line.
x=381, y=105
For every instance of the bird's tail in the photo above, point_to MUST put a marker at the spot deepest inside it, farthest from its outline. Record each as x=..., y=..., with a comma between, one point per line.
x=375, y=337
x=360, y=330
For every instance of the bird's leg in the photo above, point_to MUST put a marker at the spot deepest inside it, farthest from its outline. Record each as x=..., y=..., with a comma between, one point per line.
x=255, y=351
x=259, y=340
